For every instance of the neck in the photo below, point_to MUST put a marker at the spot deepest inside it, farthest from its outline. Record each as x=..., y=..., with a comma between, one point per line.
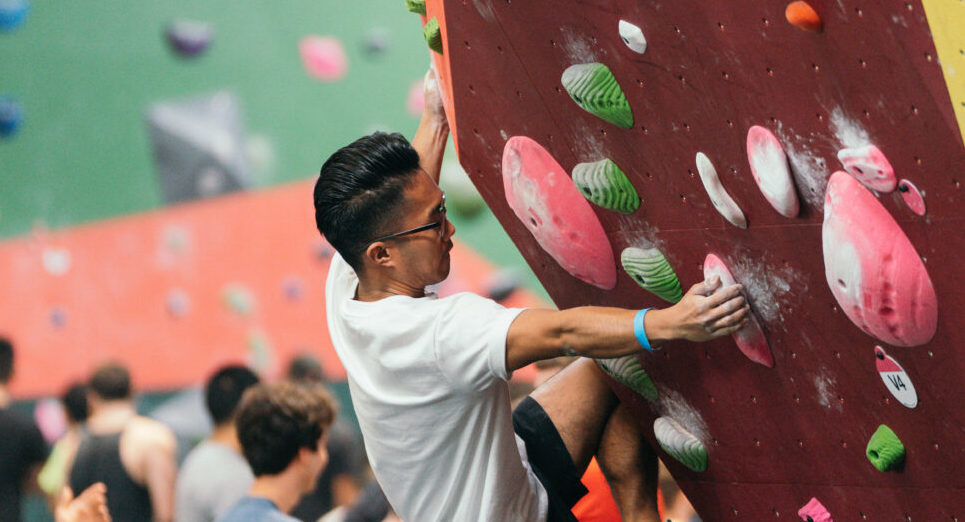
x=4, y=396
x=283, y=489
x=226, y=434
x=374, y=289
x=111, y=415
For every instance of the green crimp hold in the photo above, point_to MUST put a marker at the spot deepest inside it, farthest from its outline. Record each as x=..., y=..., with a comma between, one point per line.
x=433, y=35
x=416, y=6
x=628, y=371
x=603, y=183
x=885, y=450
x=680, y=443
x=593, y=87
x=651, y=270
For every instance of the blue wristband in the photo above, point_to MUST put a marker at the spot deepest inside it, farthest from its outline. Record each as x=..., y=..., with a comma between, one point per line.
x=639, y=331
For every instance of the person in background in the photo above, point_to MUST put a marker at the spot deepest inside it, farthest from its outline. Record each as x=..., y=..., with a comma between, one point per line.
x=282, y=429
x=89, y=506
x=215, y=475
x=339, y=484
x=22, y=447
x=53, y=476
x=133, y=455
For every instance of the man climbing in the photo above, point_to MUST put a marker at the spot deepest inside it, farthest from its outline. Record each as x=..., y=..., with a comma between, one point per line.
x=428, y=376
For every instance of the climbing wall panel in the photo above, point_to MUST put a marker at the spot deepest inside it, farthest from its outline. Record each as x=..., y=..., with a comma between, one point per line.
x=867, y=73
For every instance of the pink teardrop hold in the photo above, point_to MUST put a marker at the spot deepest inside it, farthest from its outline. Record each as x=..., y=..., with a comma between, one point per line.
x=323, y=57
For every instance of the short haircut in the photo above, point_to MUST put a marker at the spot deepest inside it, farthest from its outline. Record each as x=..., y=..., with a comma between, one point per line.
x=359, y=192
x=75, y=403
x=306, y=368
x=6, y=360
x=224, y=389
x=276, y=420
x=111, y=381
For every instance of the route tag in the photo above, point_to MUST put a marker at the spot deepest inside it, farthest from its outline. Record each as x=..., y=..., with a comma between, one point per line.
x=895, y=378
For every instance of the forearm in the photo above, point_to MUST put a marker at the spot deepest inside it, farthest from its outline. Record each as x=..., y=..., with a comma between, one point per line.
x=601, y=332
x=430, y=142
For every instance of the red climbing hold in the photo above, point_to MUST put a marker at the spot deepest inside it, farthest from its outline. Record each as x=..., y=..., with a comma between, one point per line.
x=873, y=269
x=750, y=339
x=545, y=199
x=800, y=14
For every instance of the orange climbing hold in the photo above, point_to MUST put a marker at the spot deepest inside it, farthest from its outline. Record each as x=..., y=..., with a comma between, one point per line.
x=801, y=15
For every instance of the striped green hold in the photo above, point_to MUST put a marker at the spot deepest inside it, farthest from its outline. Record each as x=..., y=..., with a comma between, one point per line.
x=680, y=444
x=605, y=184
x=651, y=270
x=433, y=35
x=627, y=371
x=416, y=6
x=885, y=450
x=593, y=87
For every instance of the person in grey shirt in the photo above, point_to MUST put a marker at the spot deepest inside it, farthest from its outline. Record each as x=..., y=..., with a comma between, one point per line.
x=215, y=475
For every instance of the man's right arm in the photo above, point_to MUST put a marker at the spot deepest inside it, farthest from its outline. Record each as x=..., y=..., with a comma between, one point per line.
x=705, y=312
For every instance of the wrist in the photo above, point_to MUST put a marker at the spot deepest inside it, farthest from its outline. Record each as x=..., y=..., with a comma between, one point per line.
x=658, y=328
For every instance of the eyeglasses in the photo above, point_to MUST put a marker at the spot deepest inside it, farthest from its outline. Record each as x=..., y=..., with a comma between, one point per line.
x=441, y=209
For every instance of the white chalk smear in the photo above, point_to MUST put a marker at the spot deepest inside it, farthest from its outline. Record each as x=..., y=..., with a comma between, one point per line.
x=767, y=287
x=824, y=384
x=673, y=405
x=577, y=47
x=849, y=133
x=810, y=171
x=485, y=10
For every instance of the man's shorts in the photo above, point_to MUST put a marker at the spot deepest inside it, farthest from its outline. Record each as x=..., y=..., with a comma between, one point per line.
x=550, y=460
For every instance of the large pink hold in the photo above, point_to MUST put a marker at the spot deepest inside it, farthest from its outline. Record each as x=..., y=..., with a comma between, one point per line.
x=814, y=511
x=771, y=171
x=870, y=166
x=750, y=339
x=872, y=268
x=323, y=57
x=545, y=199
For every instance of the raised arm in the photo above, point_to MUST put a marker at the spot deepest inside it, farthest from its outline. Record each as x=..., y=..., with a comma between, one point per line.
x=705, y=312
x=433, y=132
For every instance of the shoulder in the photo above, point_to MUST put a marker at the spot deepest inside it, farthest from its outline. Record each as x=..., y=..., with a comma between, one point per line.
x=147, y=432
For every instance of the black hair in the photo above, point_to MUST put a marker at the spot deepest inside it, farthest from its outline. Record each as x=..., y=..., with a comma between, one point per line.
x=275, y=421
x=111, y=381
x=359, y=192
x=75, y=402
x=306, y=368
x=224, y=389
x=6, y=360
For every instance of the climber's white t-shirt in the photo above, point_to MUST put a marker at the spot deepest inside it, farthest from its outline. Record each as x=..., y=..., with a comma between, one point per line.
x=428, y=383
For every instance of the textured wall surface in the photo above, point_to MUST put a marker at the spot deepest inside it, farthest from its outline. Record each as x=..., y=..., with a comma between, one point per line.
x=775, y=437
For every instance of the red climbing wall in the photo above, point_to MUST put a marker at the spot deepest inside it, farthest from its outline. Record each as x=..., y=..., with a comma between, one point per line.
x=775, y=437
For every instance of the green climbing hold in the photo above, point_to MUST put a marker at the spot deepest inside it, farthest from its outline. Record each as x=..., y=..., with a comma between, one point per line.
x=680, y=443
x=593, y=87
x=433, y=35
x=651, y=270
x=885, y=450
x=416, y=6
x=603, y=183
x=628, y=371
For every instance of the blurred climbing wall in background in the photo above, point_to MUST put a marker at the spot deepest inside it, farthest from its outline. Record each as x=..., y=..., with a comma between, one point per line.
x=808, y=150
x=156, y=165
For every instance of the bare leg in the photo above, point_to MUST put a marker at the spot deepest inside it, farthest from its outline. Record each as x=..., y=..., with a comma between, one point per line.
x=630, y=467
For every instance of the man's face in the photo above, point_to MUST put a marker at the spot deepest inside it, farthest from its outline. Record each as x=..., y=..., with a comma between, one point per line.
x=423, y=257
x=315, y=462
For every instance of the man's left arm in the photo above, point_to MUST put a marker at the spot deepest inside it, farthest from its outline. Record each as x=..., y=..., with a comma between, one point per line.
x=433, y=132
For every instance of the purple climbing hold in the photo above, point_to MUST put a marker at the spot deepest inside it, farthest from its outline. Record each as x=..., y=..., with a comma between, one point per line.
x=189, y=38
x=12, y=14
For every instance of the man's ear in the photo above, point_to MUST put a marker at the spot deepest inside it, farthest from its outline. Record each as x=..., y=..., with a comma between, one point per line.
x=378, y=254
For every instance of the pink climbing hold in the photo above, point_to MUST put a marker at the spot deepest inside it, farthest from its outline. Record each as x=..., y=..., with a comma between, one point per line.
x=323, y=57
x=870, y=166
x=545, y=199
x=873, y=269
x=416, y=101
x=771, y=171
x=750, y=339
x=912, y=197
x=814, y=511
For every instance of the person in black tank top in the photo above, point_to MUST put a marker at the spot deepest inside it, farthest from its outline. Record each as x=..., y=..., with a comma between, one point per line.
x=99, y=460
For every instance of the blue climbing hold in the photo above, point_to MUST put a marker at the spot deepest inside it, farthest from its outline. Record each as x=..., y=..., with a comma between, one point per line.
x=12, y=14
x=11, y=116
x=189, y=38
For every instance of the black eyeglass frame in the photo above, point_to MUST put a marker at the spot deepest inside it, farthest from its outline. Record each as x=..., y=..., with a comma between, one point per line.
x=428, y=226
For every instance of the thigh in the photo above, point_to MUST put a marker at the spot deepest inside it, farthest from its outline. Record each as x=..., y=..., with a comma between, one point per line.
x=579, y=401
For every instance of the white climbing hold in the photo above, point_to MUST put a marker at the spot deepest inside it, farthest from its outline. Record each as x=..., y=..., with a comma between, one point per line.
x=633, y=37
x=718, y=195
x=680, y=443
x=771, y=172
x=870, y=166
